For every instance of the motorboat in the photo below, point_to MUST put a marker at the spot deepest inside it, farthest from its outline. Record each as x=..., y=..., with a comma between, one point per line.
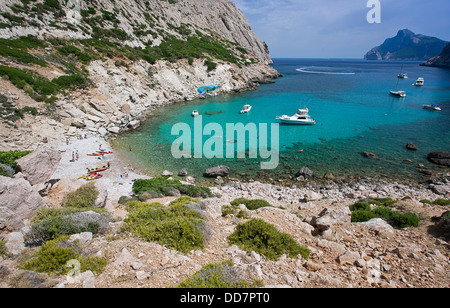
x=398, y=93
x=419, y=82
x=402, y=76
x=435, y=107
x=246, y=109
x=195, y=113
x=300, y=118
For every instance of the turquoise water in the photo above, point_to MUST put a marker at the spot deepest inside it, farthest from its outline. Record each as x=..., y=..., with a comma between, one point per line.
x=350, y=101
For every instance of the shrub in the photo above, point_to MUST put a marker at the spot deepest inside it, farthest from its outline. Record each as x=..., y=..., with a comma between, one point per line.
x=3, y=252
x=262, y=237
x=234, y=210
x=441, y=202
x=83, y=197
x=54, y=226
x=218, y=275
x=362, y=212
x=54, y=255
x=251, y=204
x=164, y=187
x=174, y=226
x=10, y=158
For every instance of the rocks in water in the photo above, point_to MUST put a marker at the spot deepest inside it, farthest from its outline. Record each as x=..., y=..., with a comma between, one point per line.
x=182, y=172
x=440, y=158
x=305, y=172
x=370, y=155
x=217, y=171
x=166, y=173
x=39, y=166
x=411, y=146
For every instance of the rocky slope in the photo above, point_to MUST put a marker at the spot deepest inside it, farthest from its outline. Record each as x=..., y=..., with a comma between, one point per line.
x=407, y=45
x=101, y=66
x=443, y=60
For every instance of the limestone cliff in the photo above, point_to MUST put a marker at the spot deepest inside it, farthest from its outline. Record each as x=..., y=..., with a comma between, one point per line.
x=100, y=66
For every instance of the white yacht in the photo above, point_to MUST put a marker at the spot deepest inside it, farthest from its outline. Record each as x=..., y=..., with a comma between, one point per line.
x=435, y=107
x=403, y=76
x=195, y=113
x=419, y=82
x=246, y=109
x=300, y=118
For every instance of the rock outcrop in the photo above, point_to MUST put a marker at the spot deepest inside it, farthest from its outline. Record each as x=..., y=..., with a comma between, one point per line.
x=38, y=166
x=19, y=201
x=407, y=45
x=443, y=60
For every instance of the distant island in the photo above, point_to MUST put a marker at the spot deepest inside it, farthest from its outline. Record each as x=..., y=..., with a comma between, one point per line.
x=407, y=46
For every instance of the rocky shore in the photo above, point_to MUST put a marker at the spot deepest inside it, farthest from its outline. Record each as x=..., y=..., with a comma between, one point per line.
x=317, y=215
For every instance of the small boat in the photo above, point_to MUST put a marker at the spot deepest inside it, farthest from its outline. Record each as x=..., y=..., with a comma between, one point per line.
x=94, y=154
x=300, y=118
x=402, y=76
x=246, y=109
x=434, y=107
x=195, y=113
x=91, y=177
x=419, y=82
x=398, y=93
x=95, y=170
x=104, y=152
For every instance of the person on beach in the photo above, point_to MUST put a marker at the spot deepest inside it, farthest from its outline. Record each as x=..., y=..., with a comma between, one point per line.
x=73, y=156
x=109, y=165
x=131, y=148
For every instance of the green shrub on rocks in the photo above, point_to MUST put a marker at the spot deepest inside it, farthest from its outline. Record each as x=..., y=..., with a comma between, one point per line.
x=263, y=238
x=361, y=212
x=251, y=204
x=54, y=255
x=218, y=275
x=158, y=187
x=174, y=226
x=83, y=197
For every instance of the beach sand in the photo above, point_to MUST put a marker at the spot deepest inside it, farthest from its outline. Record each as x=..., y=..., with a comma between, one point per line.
x=113, y=179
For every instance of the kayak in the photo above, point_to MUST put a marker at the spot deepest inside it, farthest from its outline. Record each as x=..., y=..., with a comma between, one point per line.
x=100, y=169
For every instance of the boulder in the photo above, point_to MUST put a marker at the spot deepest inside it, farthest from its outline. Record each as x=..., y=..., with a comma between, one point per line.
x=305, y=172
x=379, y=226
x=19, y=201
x=38, y=167
x=217, y=171
x=326, y=219
x=440, y=158
x=182, y=172
x=411, y=146
x=166, y=173
x=370, y=155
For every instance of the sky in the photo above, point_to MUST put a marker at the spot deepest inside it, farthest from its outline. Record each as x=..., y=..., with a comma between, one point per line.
x=339, y=28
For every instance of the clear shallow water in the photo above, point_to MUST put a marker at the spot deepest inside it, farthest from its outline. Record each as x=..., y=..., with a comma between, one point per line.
x=354, y=111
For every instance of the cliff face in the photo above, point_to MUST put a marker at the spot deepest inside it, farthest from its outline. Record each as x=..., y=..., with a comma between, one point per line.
x=443, y=60
x=407, y=45
x=100, y=66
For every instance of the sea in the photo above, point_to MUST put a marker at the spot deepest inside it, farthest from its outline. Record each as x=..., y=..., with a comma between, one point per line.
x=354, y=113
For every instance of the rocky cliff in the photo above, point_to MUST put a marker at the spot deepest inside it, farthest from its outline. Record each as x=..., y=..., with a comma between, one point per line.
x=443, y=60
x=102, y=65
x=407, y=45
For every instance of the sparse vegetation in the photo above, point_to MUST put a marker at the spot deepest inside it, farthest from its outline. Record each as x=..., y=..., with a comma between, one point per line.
x=251, y=204
x=263, y=238
x=218, y=275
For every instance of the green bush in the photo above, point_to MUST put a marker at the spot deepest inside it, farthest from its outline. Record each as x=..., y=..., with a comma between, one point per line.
x=234, y=210
x=362, y=212
x=54, y=255
x=3, y=252
x=251, y=204
x=262, y=237
x=10, y=158
x=83, y=197
x=218, y=275
x=441, y=202
x=174, y=226
x=164, y=187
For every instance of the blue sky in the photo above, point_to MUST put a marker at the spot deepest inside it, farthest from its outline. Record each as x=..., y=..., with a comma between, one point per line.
x=339, y=28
